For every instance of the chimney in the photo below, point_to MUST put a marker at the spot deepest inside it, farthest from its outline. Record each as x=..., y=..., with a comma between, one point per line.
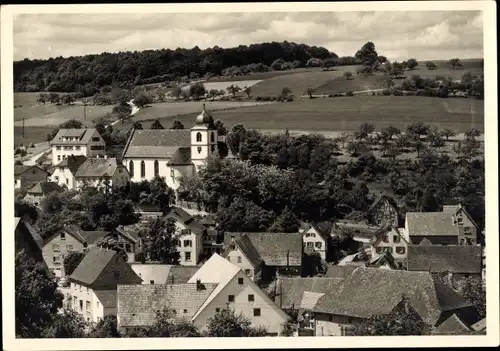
x=199, y=285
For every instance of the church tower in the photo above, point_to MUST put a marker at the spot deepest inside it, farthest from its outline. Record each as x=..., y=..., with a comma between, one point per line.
x=203, y=138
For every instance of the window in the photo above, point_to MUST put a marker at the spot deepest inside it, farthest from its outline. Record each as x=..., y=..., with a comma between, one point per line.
x=230, y=298
x=212, y=148
x=240, y=281
x=199, y=149
x=185, y=311
x=385, y=239
x=87, y=306
x=172, y=173
x=198, y=137
x=157, y=168
x=186, y=232
x=151, y=282
x=63, y=236
x=462, y=241
x=212, y=137
x=187, y=256
x=128, y=248
x=131, y=168
x=251, y=297
x=349, y=320
x=97, y=304
x=248, y=272
x=256, y=312
x=58, y=157
x=143, y=169
x=380, y=250
x=400, y=250
x=188, y=243
x=96, y=138
x=56, y=259
x=217, y=310
x=467, y=230
x=396, y=239
x=67, y=181
x=55, y=247
x=460, y=220
x=239, y=259
x=388, y=249
x=330, y=318
x=116, y=274
x=318, y=244
x=310, y=244
x=58, y=148
x=77, y=148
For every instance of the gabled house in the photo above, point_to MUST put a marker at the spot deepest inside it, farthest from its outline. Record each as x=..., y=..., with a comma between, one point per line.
x=190, y=236
x=64, y=172
x=217, y=285
x=372, y=291
x=128, y=239
x=181, y=274
x=452, y=226
x=93, y=284
x=453, y=263
x=392, y=240
x=86, y=142
x=265, y=255
x=101, y=173
x=27, y=239
x=316, y=238
x=152, y=273
x=26, y=176
x=385, y=261
x=383, y=211
x=39, y=191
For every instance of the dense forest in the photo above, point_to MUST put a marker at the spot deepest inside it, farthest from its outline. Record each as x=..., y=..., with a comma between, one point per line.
x=88, y=73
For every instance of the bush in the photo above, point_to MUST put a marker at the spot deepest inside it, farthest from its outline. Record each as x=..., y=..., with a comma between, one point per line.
x=397, y=92
x=386, y=92
x=349, y=93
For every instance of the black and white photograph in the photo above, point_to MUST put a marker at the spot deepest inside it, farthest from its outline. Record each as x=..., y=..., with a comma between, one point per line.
x=216, y=171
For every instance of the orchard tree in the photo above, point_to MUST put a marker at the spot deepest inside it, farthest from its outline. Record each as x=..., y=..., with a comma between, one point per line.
x=430, y=65
x=176, y=124
x=412, y=63
x=454, y=63
x=233, y=90
x=213, y=93
x=156, y=125
x=142, y=100
x=447, y=133
x=310, y=92
x=364, y=130
x=248, y=90
x=418, y=129
x=348, y=75
x=197, y=90
x=328, y=63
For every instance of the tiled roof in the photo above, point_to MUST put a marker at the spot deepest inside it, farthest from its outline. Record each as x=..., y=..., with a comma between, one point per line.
x=247, y=248
x=19, y=169
x=106, y=297
x=97, y=167
x=380, y=199
x=452, y=326
x=181, y=157
x=275, y=249
x=92, y=236
x=130, y=232
x=30, y=231
x=180, y=215
x=44, y=188
x=373, y=291
x=72, y=163
x=450, y=258
x=83, y=135
x=138, y=304
x=92, y=265
x=430, y=224
x=354, y=229
x=181, y=274
x=155, y=272
x=340, y=272
x=309, y=300
x=291, y=292
x=161, y=143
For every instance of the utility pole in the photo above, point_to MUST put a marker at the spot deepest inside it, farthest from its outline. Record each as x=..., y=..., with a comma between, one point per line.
x=288, y=263
x=23, y=127
x=281, y=294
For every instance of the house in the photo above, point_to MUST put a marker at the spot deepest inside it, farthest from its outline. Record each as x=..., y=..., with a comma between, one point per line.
x=152, y=273
x=27, y=176
x=213, y=241
x=64, y=172
x=452, y=226
x=93, y=283
x=452, y=326
x=316, y=239
x=148, y=211
x=170, y=153
x=101, y=173
x=372, y=291
x=390, y=239
x=27, y=239
x=385, y=261
x=68, y=239
x=39, y=191
x=454, y=262
x=86, y=142
x=217, y=285
x=190, y=236
x=181, y=274
x=383, y=211
x=128, y=238
x=264, y=255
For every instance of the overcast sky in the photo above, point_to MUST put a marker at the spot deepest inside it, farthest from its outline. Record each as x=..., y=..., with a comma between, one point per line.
x=397, y=35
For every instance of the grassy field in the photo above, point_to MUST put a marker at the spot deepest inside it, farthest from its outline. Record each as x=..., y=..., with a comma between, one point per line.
x=64, y=114
x=356, y=83
x=223, y=85
x=347, y=113
x=31, y=135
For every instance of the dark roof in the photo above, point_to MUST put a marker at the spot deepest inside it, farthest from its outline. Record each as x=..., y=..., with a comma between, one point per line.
x=275, y=249
x=26, y=233
x=98, y=167
x=358, y=229
x=92, y=236
x=292, y=289
x=72, y=162
x=130, y=232
x=144, y=207
x=162, y=143
x=92, y=265
x=181, y=274
x=44, y=188
x=385, y=258
x=452, y=326
x=381, y=198
x=19, y=169
x=138, y=304
x=181, y=157
x=450, y=258
x=208, y=220
x=106, y=297
x=83, y=135
x=430, y=224
x=340, y=272
x=374, y=291
x=180, y=215
x=247, y=248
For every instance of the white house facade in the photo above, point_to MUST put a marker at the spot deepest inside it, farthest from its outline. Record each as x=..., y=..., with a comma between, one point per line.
x=77, y=142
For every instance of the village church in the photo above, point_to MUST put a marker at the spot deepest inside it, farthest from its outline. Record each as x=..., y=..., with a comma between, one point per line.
x=170, y=153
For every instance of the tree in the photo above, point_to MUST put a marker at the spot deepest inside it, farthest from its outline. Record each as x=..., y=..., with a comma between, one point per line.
x=166, y=325
x=109, y=243
x=105, y=328
x=430, y=65
x=418, y=129
x=123, y=111
x=37, y=298
x=197, y=90
x=176, y=92
x=419, y=147
x=397, y=69
x=328, y=63
x=213, y=93
x=348, y=75
x=233, y=90
x=313, y=265
x=227, y=323
x=403, y=320
x=43, y=98
x=454, y=63
x=367, y=55
x=435, y=139
x=66, y=324
x=142, y=99
x=71, y=261
x=248, y=90
x=54, y=98
x=286, y=91
x=447, y=133
x=364, y=130
x=176, y=124
x=24, y=209
x=473, y=290
x=156, y=125
x=161, y=243
x=221, y=128
x=68, y=99
x=412, y=63
x=472, y=134
x=310, y=92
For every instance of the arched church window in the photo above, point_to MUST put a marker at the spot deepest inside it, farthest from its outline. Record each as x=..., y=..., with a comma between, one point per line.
x=212, y=137
x=157, y=168
x=143, y=169
x=131, y=168
x=198, y=136
x=199, y=149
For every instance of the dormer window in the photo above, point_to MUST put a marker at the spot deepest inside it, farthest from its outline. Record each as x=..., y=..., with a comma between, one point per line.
x=460, y=220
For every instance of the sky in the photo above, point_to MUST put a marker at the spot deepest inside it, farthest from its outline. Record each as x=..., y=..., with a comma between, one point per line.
x=397, y=35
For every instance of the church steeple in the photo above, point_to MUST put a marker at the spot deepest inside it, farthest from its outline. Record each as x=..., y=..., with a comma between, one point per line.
x=203, y=138
x=205, y=118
